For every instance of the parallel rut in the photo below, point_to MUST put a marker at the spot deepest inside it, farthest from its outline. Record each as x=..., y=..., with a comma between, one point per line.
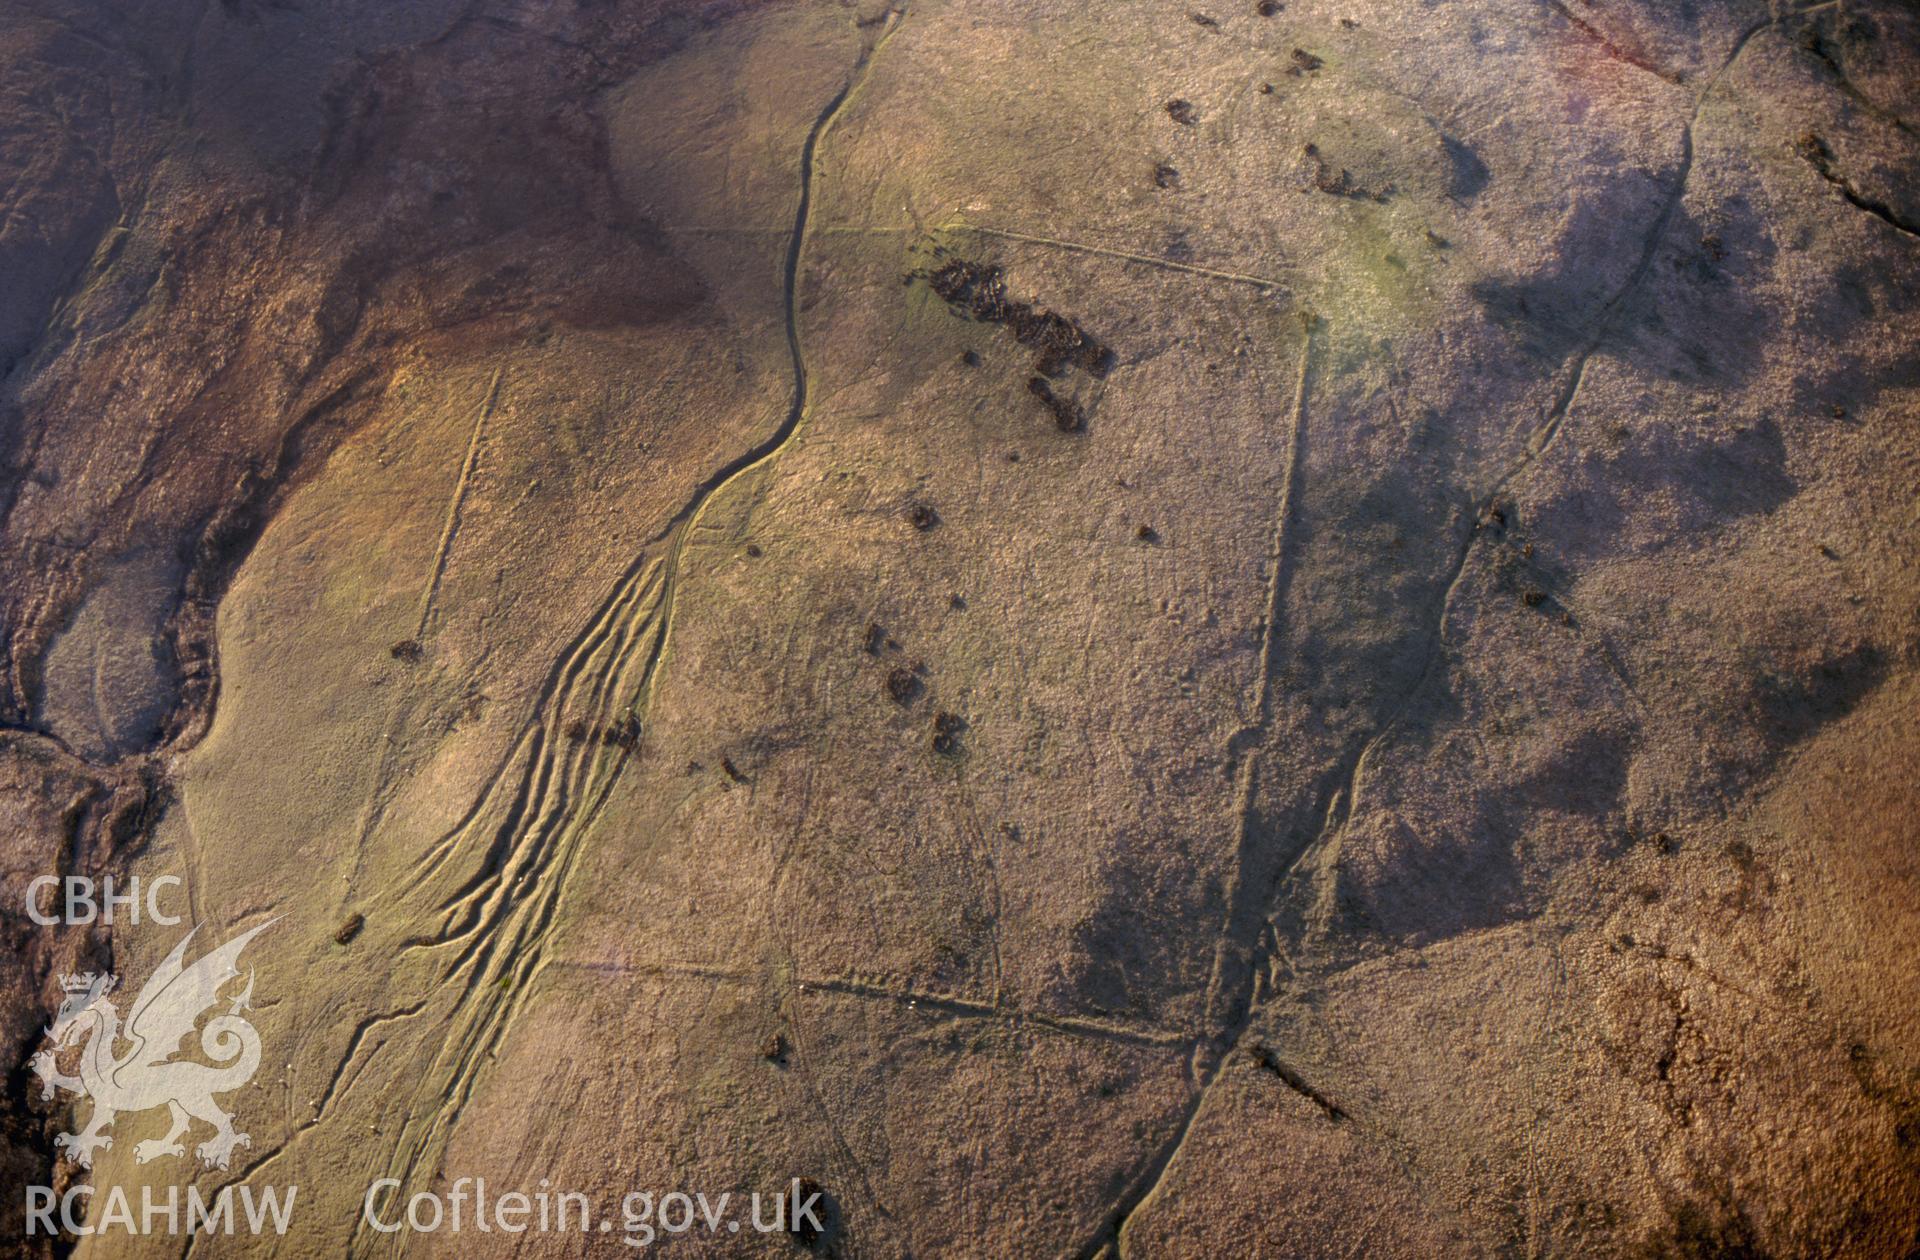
x=531, y=821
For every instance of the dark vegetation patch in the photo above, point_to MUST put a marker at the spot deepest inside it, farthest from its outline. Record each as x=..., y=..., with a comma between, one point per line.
x=1066, y=413
x=1722, y=1232
x=946, y=732
x=623, y=732
x=1663, y=844
x=815, y=1230
x=1340, y=183
x=904, y=685
x=979, y=291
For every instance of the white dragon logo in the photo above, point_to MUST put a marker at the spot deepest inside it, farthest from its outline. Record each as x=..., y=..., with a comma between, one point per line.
x=147, y=1075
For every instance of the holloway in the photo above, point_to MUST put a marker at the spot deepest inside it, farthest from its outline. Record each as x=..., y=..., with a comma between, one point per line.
x=194, y=1216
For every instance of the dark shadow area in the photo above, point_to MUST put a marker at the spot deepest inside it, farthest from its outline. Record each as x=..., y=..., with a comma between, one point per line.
x=1794, y=703
x=1469, y=175
x=1696, y=318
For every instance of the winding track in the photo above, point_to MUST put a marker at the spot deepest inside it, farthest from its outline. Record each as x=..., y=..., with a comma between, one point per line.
x=532, y=820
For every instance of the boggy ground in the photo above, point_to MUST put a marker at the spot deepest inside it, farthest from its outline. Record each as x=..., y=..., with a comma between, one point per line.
x=1272, y=629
